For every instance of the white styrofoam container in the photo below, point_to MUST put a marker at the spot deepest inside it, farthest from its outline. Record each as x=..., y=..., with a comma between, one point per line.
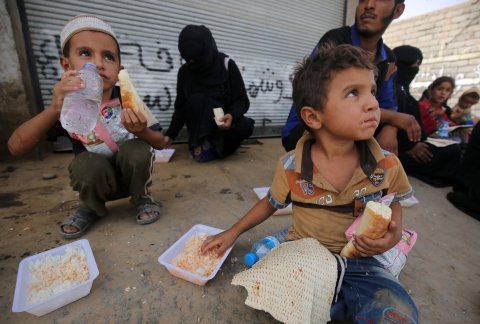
x=163, y=156
x=20, y=299
x=167, y=256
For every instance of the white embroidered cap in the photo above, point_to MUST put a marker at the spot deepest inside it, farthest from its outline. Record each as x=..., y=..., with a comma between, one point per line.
x=84, y=22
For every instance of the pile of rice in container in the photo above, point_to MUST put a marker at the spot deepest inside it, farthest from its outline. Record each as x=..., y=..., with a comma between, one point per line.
x=192, y=259
x=56, y=273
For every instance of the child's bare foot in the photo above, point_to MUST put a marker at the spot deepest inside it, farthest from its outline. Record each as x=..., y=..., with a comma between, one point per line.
x=147, y=213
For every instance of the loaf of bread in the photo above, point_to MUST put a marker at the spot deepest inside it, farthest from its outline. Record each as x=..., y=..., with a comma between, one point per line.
x=218, y=113
x=373, y=224
x=130, y=97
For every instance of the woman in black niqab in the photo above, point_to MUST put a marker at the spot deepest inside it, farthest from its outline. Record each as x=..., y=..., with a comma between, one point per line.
x=209, y=79
x=437, y=166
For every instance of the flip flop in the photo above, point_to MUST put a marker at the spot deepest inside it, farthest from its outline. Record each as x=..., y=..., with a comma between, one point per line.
x=147, y=208
x=82, y=219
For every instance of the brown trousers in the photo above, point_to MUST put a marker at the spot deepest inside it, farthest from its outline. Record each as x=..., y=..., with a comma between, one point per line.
x=99, y=179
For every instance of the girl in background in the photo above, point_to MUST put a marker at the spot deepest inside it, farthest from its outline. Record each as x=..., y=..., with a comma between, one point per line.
x=432, y=109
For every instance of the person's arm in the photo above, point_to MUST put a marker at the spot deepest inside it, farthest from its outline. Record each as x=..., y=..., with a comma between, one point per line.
x=153, y=137
x=390, y=115
x=221, y=242
x=178, y=118
x=277, y=198
x=239, y=102
x=136, y=123
x=420, y=152
x=428, y=122
x=387, y=138
x=27, y=136
x=457, y=112
x=403, y=121
x=369, y=247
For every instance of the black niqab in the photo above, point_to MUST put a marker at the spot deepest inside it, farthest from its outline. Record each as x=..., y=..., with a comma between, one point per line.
x=406, y=56
x=198, y=48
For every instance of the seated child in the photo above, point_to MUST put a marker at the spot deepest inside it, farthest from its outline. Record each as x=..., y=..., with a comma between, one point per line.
x=105, y=167
x=461, y=112
x=432, y=109
x=337, y=162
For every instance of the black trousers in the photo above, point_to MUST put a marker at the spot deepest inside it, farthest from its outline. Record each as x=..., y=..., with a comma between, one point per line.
x=442, y=171
x=201, y=126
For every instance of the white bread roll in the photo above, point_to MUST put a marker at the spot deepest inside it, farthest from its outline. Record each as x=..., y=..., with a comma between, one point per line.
x=130, y=97
x=373, y=224
x=218, y=113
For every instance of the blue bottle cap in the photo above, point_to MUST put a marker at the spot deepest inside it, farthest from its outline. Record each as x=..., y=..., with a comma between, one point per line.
x=271, y=242
x=90, y=66
x=250, y=259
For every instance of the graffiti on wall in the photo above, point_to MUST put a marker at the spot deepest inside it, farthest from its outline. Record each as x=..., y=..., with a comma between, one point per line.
x=161, y=64
x=267, y=83
x=48, y=58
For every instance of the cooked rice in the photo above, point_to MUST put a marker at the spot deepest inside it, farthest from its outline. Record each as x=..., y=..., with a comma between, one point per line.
x=55, y=273
x=192, y=259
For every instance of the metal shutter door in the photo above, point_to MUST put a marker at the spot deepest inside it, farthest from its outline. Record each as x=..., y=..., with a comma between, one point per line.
x=265, y=38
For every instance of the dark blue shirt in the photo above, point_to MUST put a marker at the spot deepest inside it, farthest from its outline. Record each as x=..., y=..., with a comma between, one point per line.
x=384, y=61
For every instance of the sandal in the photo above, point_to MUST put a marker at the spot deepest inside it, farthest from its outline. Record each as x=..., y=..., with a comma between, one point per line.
x=82, y=219
x=152, y=209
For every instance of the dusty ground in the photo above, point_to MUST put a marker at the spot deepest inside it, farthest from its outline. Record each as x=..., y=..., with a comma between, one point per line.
x=442, y=274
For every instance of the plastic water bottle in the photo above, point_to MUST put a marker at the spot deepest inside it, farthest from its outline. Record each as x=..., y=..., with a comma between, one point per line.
x=263, y=246
x=81, y=108
x=443, y=130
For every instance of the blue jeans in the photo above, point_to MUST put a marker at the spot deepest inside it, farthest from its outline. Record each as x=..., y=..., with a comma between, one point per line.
x=370, y=294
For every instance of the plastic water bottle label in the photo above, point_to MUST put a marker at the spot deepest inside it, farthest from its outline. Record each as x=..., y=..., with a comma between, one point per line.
x=272, y=241
x=443, y=130
x=81, y=108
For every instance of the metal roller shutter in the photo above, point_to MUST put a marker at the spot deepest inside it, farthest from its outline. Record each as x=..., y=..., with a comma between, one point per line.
x=265, y=38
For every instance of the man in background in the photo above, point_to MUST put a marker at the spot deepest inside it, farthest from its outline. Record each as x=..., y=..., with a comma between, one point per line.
x=372, y=17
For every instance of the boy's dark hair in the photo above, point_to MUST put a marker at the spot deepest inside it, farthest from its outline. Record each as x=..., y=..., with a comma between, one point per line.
x=66, y=51
x=473, y=95
x=312, y=77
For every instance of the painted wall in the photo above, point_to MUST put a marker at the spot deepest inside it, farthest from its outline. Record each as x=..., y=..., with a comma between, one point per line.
x=265, y=41
x=13, y=102
x=450, y=41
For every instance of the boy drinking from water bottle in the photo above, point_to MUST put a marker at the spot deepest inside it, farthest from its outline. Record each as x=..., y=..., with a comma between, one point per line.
x=113, y=161
x=337, y=162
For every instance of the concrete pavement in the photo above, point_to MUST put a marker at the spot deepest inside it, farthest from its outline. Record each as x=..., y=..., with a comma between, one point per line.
x=442, y=272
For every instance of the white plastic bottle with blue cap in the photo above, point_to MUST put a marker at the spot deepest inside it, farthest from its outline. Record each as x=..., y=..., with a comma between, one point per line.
x=81, y=108
x=263, y=246
x=443, y=130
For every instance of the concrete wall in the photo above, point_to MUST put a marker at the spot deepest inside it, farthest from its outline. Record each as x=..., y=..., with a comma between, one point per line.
x=14, y=106
x=450, y=42
x=350, y=8
x=449, y=39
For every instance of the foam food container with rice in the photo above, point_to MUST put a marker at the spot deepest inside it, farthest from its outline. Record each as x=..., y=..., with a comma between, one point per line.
x=184, y=259
x=163, y=156
x=54, y=278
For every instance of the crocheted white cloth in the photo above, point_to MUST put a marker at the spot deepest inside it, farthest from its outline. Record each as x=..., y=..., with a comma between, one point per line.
x=84, y=22
x=295, y=282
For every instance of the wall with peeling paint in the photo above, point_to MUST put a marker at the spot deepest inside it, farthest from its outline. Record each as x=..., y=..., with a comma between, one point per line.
x=450, y=41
